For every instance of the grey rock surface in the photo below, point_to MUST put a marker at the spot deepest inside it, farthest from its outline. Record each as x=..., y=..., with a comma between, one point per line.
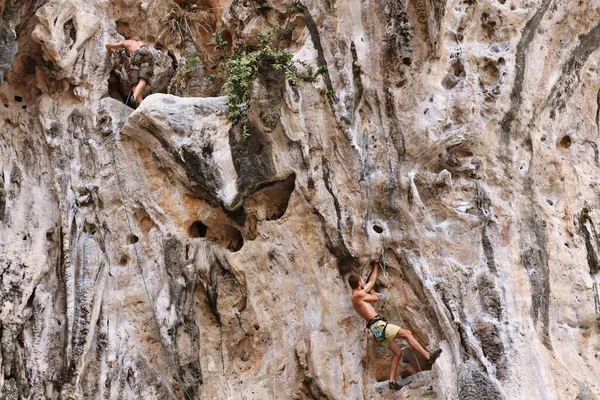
x=454, y=142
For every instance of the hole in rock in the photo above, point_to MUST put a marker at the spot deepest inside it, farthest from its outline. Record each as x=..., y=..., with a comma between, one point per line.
x=489, y=74
x=223, y=235
x=18, y=99
x=462, y=152
x=116, y=88
x=6, y=105
x=27, y=64
x=207, y=150
x=197, y=230
x=458, y=69
x=377, y=228
x=450, y=81
x=24, y=107
x=50, y=235
x=131, y=239
x=70, y=30
x=565, y=142
x=228, y=237
x=275, y=197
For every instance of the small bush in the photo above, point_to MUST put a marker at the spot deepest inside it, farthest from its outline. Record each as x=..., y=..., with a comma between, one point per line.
x=178, y=83
x=179, y=24
x=242, y=68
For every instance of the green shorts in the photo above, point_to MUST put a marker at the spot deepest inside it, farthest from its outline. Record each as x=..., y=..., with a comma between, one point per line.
x=390, y=332
x=141, y=65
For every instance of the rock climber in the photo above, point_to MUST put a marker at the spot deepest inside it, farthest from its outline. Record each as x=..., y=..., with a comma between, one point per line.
x=141, y=63
x=382, y=331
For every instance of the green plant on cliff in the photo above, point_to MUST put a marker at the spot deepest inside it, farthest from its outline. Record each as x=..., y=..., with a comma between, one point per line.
x=242, y=68
x=178, y=82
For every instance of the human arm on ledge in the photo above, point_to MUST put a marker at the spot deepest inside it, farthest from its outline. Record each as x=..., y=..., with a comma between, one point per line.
x=112, y=46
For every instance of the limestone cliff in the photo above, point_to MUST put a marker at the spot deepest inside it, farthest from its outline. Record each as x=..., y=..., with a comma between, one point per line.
x=456, y=142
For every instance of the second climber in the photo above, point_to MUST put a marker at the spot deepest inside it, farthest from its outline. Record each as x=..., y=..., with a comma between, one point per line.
x=141, y=64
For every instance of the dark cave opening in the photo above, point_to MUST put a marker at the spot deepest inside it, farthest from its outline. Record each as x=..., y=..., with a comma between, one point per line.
x=132, y=239
x=197, y=230
x=565, y=142
x=377, y=228
x=115, y=88
x=224, y=235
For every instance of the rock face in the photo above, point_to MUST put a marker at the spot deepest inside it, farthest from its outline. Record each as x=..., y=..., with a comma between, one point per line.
x=455, y=142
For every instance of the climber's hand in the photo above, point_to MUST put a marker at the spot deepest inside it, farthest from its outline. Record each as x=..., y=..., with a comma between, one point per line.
x=112, y=46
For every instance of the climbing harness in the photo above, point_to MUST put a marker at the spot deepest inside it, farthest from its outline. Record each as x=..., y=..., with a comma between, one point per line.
x=137, y=256
x=142, y=52
x=375, y=330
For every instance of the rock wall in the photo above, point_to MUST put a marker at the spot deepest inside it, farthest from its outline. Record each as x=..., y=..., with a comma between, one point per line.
x=455, y=142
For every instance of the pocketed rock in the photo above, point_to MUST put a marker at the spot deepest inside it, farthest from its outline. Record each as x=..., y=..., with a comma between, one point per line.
x=474, y=384
x=454, y=143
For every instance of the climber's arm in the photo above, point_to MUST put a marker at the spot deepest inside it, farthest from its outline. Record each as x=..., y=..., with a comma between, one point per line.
x=372, y=279
x=112, y=46
x=370, y=298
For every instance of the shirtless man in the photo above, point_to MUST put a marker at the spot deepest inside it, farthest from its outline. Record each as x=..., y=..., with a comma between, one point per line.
x=362, y=297
x=141, y=63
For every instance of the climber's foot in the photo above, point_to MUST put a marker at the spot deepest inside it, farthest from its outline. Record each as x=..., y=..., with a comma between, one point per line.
x=434, y=355
x=395, y=385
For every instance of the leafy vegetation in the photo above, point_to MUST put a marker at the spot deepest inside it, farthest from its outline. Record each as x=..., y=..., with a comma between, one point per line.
x=241, y=69
x=178, y=82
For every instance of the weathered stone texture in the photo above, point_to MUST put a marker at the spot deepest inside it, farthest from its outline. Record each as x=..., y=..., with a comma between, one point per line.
x=456, y=143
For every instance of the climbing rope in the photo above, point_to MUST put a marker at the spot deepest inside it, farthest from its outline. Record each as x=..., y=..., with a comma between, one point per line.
x=383, y=266
x=596, y=302
x=137, y=256
x=389, y=286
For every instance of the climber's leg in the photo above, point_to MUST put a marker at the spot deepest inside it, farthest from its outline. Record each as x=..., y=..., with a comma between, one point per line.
x=393, y=346
x=408, y=336
x=139, y=89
